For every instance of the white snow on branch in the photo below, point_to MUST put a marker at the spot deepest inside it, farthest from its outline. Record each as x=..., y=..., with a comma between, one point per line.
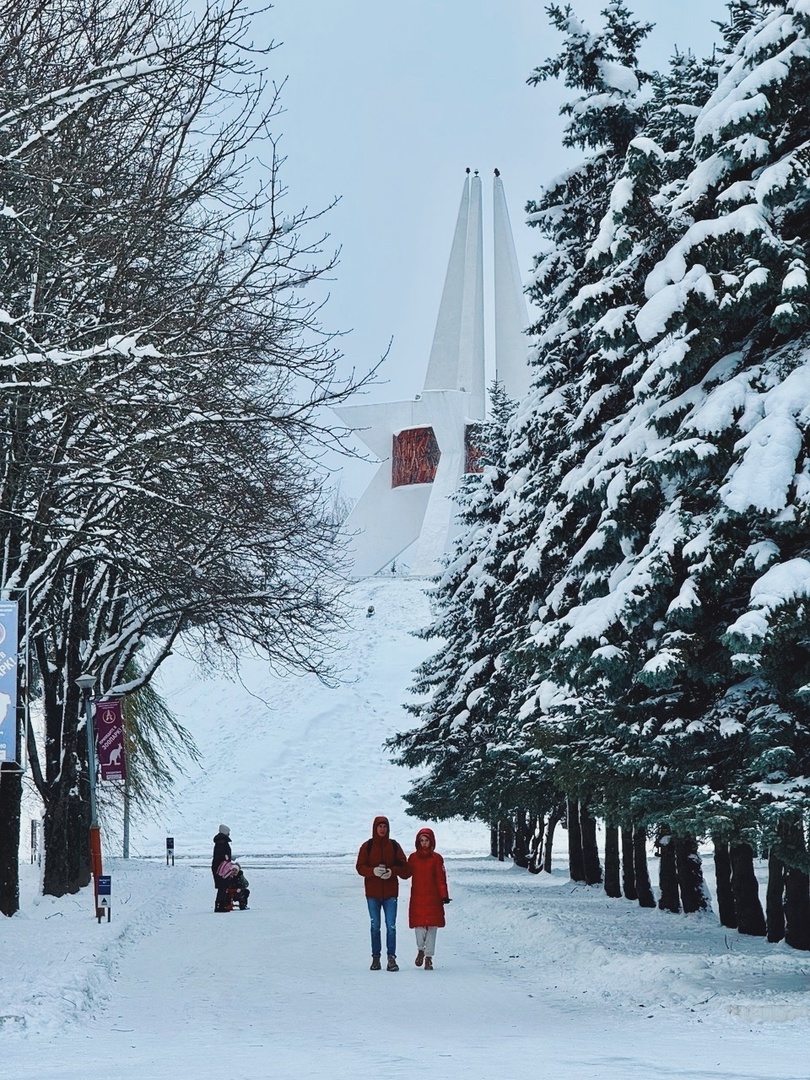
x=744, y=221
x=620, y=196
x=653, y=319
x=770, y=449
x=743, y=91
x=686, y=599
x=632, y=578
x=617, y=76
x=782, y=583
x=762, y=479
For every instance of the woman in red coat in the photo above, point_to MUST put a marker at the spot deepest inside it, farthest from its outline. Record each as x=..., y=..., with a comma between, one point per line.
x=428, y=896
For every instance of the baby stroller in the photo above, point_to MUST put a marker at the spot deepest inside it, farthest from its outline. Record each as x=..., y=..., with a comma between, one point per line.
x=229, y=890
x=238, y=891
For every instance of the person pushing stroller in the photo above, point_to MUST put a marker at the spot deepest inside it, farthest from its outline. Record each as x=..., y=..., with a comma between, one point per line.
x=222, y=855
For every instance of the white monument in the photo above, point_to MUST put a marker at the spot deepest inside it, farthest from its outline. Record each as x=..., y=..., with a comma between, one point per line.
x=426, y=445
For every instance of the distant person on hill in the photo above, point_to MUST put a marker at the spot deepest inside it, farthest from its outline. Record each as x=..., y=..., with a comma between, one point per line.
x=381, y=861
x=429, y=894
x=222, y=853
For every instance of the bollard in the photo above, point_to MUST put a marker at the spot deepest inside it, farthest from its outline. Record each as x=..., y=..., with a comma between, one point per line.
x=104, y=897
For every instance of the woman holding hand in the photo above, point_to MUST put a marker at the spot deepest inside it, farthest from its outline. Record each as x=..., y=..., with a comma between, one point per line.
x=428, y=896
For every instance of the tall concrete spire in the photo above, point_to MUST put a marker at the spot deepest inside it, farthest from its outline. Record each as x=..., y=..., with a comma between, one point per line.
x=511, y=320
x=457, y=354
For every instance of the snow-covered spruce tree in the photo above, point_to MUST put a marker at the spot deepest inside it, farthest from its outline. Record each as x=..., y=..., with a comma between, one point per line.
x=631, y=232
x=456, y=739
x=705, y=616
x=537, y=533
x=752, y=536
x=166, y=376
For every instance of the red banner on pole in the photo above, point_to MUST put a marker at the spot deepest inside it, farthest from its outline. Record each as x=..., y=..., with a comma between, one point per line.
x=110, y=740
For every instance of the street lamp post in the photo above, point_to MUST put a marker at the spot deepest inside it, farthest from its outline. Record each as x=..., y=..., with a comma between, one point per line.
x=129, y=750
x=86, y=683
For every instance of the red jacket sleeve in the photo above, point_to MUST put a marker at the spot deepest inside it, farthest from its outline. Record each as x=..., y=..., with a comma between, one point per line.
x=363, y=866
x=441, y=877
x=401, y=866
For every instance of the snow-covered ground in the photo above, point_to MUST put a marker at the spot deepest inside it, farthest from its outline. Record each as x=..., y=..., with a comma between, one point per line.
x=535, y=976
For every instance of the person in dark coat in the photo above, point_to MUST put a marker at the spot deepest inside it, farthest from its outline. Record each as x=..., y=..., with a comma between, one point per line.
x=429, y=894
x=380, y=861
x=222, y=853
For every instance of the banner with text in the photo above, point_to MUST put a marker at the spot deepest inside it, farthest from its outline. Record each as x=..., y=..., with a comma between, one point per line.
x=110, y=740
x=8, y=679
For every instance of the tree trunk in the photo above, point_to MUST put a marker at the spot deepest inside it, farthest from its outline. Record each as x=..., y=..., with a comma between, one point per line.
x=554, y=819
x=628, y=865
x=642, y=873
x=522, y=834
x=726, y=907
x=797, y=890
x=576, y=863
x=797, y=909
x=493, y=839
x=67, y=844
x=669, y=900
x=536, y=844
x=590, y=849
x=751, y=919
x=506, y=840
x=10, y=797
x=612, y=868
x=775, y=899
x=65, y=789
x=694, y=896
x=66, y=797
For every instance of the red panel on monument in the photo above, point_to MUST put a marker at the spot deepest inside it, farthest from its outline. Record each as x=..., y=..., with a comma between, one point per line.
x=415, y=457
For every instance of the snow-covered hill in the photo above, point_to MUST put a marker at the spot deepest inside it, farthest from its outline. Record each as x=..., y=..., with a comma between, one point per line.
x=291, y=765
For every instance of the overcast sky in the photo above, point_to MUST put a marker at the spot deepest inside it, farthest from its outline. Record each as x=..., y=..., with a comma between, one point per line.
x=387, y=104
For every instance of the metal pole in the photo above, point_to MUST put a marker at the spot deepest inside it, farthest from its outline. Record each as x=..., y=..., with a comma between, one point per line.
x=91, y=756
x=126, y=813
x=86, y=684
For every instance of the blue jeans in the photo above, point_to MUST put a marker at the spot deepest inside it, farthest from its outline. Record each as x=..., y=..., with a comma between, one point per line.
x=389, y=909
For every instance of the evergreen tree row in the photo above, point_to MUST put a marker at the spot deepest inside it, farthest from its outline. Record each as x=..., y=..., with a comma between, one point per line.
x=623, y=625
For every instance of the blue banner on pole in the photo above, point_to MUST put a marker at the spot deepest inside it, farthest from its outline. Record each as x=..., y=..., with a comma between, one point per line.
x=8, y=679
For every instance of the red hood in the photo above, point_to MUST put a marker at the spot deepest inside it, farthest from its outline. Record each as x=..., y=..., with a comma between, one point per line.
x=425, y=832
x=377, y=820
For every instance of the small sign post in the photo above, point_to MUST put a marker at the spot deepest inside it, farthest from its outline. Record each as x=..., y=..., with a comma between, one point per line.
x=169, y=849
x=104, y=897
x=36, y=850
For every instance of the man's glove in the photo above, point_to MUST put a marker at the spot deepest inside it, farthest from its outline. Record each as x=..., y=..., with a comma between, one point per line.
x=386, y=874
x=381, y=871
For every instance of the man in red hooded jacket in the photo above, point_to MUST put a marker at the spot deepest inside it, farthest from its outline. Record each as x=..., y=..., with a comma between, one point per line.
x=380, y=861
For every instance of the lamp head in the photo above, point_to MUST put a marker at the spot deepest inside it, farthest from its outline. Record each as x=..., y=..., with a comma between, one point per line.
x=86, y=682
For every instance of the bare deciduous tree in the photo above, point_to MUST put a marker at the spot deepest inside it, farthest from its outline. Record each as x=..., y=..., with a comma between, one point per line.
x=165, y=376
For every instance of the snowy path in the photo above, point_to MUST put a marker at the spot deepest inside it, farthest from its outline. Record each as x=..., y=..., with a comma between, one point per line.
x=284, y=991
